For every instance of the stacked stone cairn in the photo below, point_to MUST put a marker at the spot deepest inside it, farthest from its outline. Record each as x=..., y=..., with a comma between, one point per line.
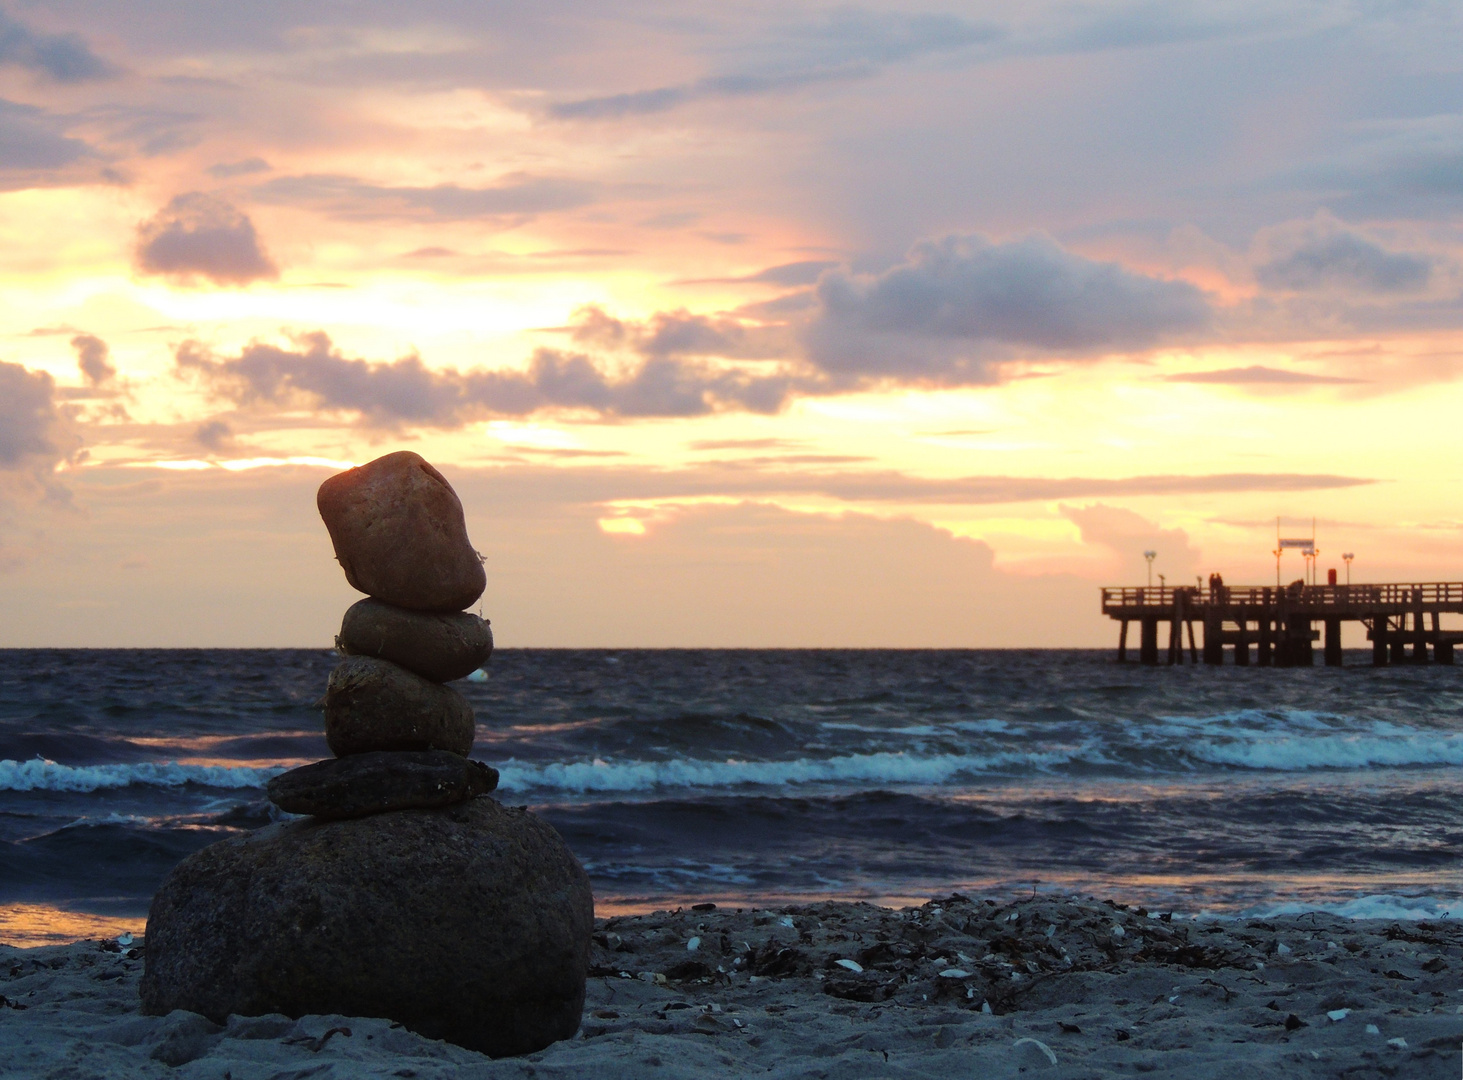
x=405, y=892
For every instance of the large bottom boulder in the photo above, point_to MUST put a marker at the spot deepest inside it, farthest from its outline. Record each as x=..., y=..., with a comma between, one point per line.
x=468, y=923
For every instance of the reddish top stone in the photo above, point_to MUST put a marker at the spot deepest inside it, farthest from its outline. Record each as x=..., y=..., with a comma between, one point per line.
x=400, y=536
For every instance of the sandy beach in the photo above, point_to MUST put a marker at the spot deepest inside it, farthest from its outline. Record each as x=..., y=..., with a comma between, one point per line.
x=957, y=987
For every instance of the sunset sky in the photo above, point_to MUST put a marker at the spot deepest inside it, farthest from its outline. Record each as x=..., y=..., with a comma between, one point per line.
x=754, y=324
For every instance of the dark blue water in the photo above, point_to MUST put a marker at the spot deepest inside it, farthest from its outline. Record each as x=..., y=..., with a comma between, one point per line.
x=754, y=775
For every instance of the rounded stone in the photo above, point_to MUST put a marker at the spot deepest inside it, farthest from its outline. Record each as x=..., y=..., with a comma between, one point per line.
x=440, y=646
x=374, y=704
x=380, y=781
x=400, y=535
x=470, y=924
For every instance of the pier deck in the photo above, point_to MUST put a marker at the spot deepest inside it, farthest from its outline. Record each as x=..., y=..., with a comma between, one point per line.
x=1403, y=621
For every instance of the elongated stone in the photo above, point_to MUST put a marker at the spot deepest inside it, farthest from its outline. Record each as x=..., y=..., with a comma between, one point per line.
x=440, y=646
x=400, y=535
x=374, y=704
x=379, y=781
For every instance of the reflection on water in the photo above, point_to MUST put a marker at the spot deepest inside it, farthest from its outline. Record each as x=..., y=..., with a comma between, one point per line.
x=28, y=925
x=1191, y=895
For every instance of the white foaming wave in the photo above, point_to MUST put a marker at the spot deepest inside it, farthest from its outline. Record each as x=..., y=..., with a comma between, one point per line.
x=1261, y=720
x=39, y=774
x=883, y=768
x=110, y=818
x=968, y=727
x=1376, y=906
x=1371, y=748
x=1296, y=740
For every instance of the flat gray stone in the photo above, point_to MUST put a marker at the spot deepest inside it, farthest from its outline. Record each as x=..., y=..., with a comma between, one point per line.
x=470, y=923
x=374, y=704
x=400, y=535
x=380, y=781
x=440, y=646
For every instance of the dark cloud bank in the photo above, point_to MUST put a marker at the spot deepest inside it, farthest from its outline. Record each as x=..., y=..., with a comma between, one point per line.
x=1324, y=254
x=64, y=58
x=92, y=357
x=27, y=416
x=198, y=235
x=35, y=149
x=949, y=315
x=956, y=305
x=34, y=436
x=405, y=391
x=846, y=44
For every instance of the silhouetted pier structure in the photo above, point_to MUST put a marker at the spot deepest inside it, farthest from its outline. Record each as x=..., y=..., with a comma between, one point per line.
x=1284, y=623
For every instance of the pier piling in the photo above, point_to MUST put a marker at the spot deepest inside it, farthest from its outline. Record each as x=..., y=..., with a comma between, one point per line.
x=1176, y=628
x=1148, y=639
x=1213, y=637
x=1333, y=641
x=1419, y=637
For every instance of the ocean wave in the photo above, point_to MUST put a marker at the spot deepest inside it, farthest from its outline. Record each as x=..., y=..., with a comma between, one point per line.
x=1382, y=746
x=1174, y=746
x=1376, y=906
x=580, y=777
x=1278, y=740
x=1261, y=720
x=966, y=727
x=40, y=774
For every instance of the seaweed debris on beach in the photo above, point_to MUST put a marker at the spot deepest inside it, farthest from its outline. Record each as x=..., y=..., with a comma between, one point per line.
x=1059, y=987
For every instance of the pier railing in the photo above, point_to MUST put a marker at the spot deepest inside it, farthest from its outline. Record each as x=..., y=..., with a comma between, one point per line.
x=1430, y=595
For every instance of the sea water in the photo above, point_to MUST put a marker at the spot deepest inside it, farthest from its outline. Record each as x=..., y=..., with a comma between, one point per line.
x=752, y=776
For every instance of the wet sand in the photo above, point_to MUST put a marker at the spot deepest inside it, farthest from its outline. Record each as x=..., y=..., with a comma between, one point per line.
x=953, y=988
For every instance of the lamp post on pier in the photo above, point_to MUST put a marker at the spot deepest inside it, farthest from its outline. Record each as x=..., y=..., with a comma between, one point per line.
x=1150, y=556
x=1348, y=556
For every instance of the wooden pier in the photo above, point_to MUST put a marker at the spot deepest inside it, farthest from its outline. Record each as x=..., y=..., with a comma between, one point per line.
x=1283, y=624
